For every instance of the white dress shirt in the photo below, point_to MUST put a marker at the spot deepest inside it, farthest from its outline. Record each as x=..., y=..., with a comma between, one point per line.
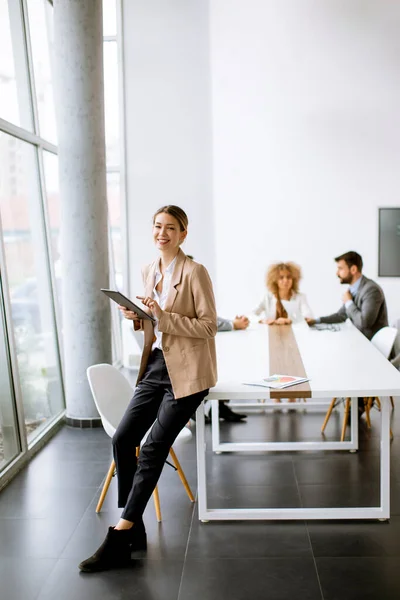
x=297, y=307
x=161, y=299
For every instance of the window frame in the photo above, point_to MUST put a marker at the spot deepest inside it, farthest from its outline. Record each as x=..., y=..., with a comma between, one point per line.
x=40, y=145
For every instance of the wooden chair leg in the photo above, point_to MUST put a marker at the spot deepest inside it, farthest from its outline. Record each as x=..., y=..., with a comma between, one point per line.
x=367, y=406
x=181, y=474
x=157, y=506
x=328, y=414
x=156, y=496
x=105, y=486
x=378, y=404
x=345, y=419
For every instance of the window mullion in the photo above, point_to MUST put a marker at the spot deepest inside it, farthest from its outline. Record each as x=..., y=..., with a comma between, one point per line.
x=31, y=73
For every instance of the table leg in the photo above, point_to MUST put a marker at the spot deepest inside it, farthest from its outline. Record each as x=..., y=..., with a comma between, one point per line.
x=215, y=424
x=354, y=424
x=201, y=463
x=385, y=457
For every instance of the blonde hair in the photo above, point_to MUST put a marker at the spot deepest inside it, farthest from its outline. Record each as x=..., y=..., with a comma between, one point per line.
x=176, y=212
x=272, y=277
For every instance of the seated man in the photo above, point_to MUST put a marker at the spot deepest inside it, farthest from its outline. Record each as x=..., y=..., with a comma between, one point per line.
x=363, y=303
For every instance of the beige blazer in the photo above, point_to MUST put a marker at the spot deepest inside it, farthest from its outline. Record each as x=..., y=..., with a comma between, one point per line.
x=188, y=325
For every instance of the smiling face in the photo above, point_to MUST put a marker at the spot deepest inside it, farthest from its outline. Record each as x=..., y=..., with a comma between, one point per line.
x=285, y=281
x=167, y=234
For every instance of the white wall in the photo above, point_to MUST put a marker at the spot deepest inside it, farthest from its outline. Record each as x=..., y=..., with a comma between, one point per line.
x=301, y=148
x=306, y=129
x=168, y=123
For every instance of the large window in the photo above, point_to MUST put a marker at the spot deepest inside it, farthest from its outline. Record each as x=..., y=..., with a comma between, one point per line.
x=15, y=103
x=31, y=387
x=41, y=38
x=113, y=127
x=27, y=270
x=9, y=442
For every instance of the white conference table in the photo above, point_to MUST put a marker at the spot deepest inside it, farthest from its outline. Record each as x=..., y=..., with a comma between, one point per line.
x=339, y=364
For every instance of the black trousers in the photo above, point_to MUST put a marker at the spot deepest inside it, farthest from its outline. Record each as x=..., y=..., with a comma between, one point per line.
x=153, y=403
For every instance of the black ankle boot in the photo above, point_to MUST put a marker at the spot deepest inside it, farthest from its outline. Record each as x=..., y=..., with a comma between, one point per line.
x=114, y=552
x=228, y=415
x=138, y=537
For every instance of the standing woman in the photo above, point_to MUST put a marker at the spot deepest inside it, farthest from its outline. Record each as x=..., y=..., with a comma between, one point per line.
x=177, y=369
x=283, y=304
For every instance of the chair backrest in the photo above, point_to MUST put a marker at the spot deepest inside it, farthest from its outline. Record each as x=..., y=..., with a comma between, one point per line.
x=383, y=340
x=139, y=337
x=111, y=393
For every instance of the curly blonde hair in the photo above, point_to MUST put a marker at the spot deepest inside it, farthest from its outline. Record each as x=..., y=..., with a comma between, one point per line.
x=272, y=277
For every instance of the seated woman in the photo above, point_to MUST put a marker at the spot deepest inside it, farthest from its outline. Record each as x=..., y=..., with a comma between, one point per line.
x=283, y=304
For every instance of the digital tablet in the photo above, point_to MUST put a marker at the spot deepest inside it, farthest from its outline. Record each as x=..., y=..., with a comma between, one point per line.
x=124, y=301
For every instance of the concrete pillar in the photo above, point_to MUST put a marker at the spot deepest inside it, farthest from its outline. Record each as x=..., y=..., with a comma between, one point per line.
x=79, y=94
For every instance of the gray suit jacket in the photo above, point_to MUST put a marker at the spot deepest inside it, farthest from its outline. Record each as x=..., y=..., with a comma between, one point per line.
x=224, y=324
x=368, y=311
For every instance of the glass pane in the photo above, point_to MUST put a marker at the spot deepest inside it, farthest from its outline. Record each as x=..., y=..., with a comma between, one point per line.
x=41, y=34
x=111, y=98
x=15, y=105
x=9, y=446
x=30, y=290
x=115, y=257
x=114, y=215
x=109, y=17
x=50, y=162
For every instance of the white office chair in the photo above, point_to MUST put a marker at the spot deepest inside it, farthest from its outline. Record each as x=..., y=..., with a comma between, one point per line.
x=383, y=341
x=111, y=394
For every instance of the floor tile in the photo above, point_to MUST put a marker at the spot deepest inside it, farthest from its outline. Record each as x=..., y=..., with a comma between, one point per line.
x=77, y=435
x=144, y=580
x=48, y=522
x=236, y=469
x=339, y=539
x=341, y=468
x=252, y=496
x=50, y=473
x=359, y=578
x=35, y=538
x=248, y=539
x=35, y=502
x=22, y=578
x=322, y=496
x=70, y=451
x=241, y=579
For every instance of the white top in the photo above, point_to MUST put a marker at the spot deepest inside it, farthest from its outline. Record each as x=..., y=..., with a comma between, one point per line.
x=162, y=298
x=297, y=307
x=340, y=363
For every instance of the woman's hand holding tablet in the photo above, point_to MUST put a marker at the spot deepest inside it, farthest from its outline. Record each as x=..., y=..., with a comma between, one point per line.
x=129, y=309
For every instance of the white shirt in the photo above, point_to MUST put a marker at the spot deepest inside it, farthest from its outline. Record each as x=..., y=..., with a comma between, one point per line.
x=297, y=307
x=162, y=298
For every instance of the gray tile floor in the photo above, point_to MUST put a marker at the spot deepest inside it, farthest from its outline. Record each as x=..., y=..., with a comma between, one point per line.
x=48, y=522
